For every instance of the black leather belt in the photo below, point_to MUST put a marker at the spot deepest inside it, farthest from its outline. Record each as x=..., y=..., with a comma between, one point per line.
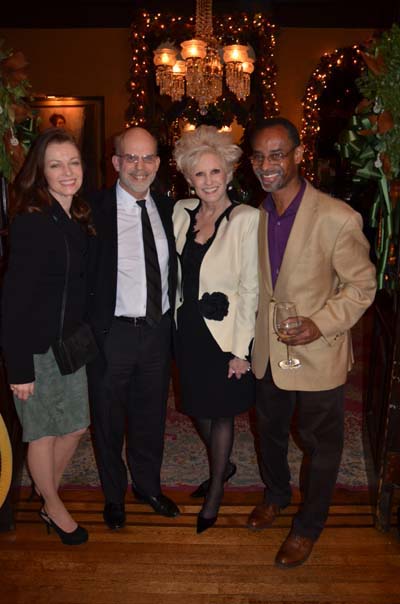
x=135, y=321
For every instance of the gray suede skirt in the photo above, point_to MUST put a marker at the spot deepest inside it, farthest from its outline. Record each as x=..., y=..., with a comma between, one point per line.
x=59, y=404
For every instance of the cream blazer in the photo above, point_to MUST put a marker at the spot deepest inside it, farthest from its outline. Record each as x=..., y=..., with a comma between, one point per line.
x=229, y=266
x=327, y=273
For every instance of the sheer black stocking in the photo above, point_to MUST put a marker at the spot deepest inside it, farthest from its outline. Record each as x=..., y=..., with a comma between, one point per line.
x=219, y=435
x=203, y=427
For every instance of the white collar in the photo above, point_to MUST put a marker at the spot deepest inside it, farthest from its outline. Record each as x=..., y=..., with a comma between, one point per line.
x=127, y=200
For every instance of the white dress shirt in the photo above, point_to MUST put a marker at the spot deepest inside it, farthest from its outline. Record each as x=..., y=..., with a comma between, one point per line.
x=131, y=277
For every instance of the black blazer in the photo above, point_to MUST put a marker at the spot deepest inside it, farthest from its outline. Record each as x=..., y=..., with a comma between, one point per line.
x=33, y=287
x=103, y=258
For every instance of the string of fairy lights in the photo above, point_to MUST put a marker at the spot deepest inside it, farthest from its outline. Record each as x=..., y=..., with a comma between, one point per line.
x=147, y=108
x=328, y=67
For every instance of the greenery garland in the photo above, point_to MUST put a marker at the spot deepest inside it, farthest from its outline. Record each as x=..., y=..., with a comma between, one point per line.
x=15, y=129
x=372, y=144
x=380, y=84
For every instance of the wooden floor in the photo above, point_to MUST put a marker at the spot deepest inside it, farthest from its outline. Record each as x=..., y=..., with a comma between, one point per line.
x=156, y=560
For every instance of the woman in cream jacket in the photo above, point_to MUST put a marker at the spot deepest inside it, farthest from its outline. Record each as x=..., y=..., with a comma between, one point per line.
x=217, y=296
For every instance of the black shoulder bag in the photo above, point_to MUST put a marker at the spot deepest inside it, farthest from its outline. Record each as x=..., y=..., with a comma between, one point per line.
x=80, y=347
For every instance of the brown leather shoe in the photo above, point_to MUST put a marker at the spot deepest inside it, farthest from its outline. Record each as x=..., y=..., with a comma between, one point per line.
x=294, y=551
x=263, y=516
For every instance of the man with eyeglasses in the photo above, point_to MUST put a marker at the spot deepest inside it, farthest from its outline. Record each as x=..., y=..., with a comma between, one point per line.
x=312, y=252
x=132, y=292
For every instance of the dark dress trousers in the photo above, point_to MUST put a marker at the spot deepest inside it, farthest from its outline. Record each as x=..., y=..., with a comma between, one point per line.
x=128, y=383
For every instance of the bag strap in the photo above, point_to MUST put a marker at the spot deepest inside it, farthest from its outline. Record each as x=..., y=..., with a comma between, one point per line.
x=64, y=298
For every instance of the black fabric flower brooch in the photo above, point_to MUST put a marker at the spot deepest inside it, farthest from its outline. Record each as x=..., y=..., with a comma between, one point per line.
x=214, y=306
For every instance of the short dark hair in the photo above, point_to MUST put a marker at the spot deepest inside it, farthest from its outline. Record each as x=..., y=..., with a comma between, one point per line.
x=272, y=122
x=53, y=119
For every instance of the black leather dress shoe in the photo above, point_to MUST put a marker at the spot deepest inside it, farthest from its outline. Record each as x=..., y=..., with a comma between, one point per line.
x=114, y=515
x=161, y=504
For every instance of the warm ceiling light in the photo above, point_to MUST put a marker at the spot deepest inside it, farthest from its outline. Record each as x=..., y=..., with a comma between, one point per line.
x=202, y=77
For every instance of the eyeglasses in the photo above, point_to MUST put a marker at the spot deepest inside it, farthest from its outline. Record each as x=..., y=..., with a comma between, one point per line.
x=273, y=158
x=134, y=159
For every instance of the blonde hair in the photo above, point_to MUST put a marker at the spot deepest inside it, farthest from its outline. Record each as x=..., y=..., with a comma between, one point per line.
x=205, y=139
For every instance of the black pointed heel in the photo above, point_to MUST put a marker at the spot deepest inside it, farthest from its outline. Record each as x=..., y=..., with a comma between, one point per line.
x=43, y=517
x=34, y=494
x=78, y=536
x=204, y=523
x=202, y=489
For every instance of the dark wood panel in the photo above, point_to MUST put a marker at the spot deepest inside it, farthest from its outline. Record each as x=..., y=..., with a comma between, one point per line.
x=285, y=13
x=383, y=405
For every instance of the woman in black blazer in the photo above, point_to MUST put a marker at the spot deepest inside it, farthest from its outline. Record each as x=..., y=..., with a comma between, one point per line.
x=47, y=215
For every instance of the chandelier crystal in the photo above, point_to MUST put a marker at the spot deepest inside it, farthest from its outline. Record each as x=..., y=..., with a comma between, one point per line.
x=198, y=70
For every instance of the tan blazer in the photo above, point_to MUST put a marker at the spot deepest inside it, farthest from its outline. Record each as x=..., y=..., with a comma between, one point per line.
x=327, y=273
x=229, y=266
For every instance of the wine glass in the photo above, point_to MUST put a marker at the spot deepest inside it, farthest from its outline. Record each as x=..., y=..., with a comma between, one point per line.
x=285, y=317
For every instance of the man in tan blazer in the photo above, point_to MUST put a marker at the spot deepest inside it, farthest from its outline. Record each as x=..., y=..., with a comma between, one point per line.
x=312, y=252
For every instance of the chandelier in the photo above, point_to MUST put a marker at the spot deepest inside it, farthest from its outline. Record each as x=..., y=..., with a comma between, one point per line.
x=198, y=70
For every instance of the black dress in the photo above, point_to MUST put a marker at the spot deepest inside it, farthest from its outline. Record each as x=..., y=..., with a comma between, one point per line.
x=206, y=390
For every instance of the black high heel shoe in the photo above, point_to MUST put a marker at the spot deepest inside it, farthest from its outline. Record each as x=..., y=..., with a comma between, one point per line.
x=34, y=494
x=78, y=536
x=204, y=523
x=202, y=489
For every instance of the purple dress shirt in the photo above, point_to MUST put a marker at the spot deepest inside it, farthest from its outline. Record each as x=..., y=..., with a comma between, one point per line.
x=279, y=228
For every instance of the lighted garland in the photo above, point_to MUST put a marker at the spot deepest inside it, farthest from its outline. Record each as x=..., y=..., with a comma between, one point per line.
x=148, y=108
x=327, y=68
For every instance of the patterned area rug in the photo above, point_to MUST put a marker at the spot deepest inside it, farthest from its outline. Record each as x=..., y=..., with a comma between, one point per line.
x=185, y=463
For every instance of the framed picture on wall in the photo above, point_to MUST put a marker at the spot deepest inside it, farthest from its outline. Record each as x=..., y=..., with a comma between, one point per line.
x=84, y=118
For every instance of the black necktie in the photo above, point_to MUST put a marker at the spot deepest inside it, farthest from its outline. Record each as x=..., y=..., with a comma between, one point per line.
x=153, y=275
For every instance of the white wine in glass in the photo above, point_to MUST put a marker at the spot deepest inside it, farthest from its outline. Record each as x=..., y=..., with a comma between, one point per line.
x=285, y=318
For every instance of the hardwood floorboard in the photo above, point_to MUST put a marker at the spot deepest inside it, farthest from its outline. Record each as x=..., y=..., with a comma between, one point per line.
x=156, y=560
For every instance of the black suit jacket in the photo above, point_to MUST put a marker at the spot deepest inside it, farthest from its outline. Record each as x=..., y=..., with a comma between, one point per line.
x=34, y=284
x=103, y=258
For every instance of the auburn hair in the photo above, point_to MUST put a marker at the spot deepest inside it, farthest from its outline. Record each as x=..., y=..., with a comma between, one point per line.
x=29, y=192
